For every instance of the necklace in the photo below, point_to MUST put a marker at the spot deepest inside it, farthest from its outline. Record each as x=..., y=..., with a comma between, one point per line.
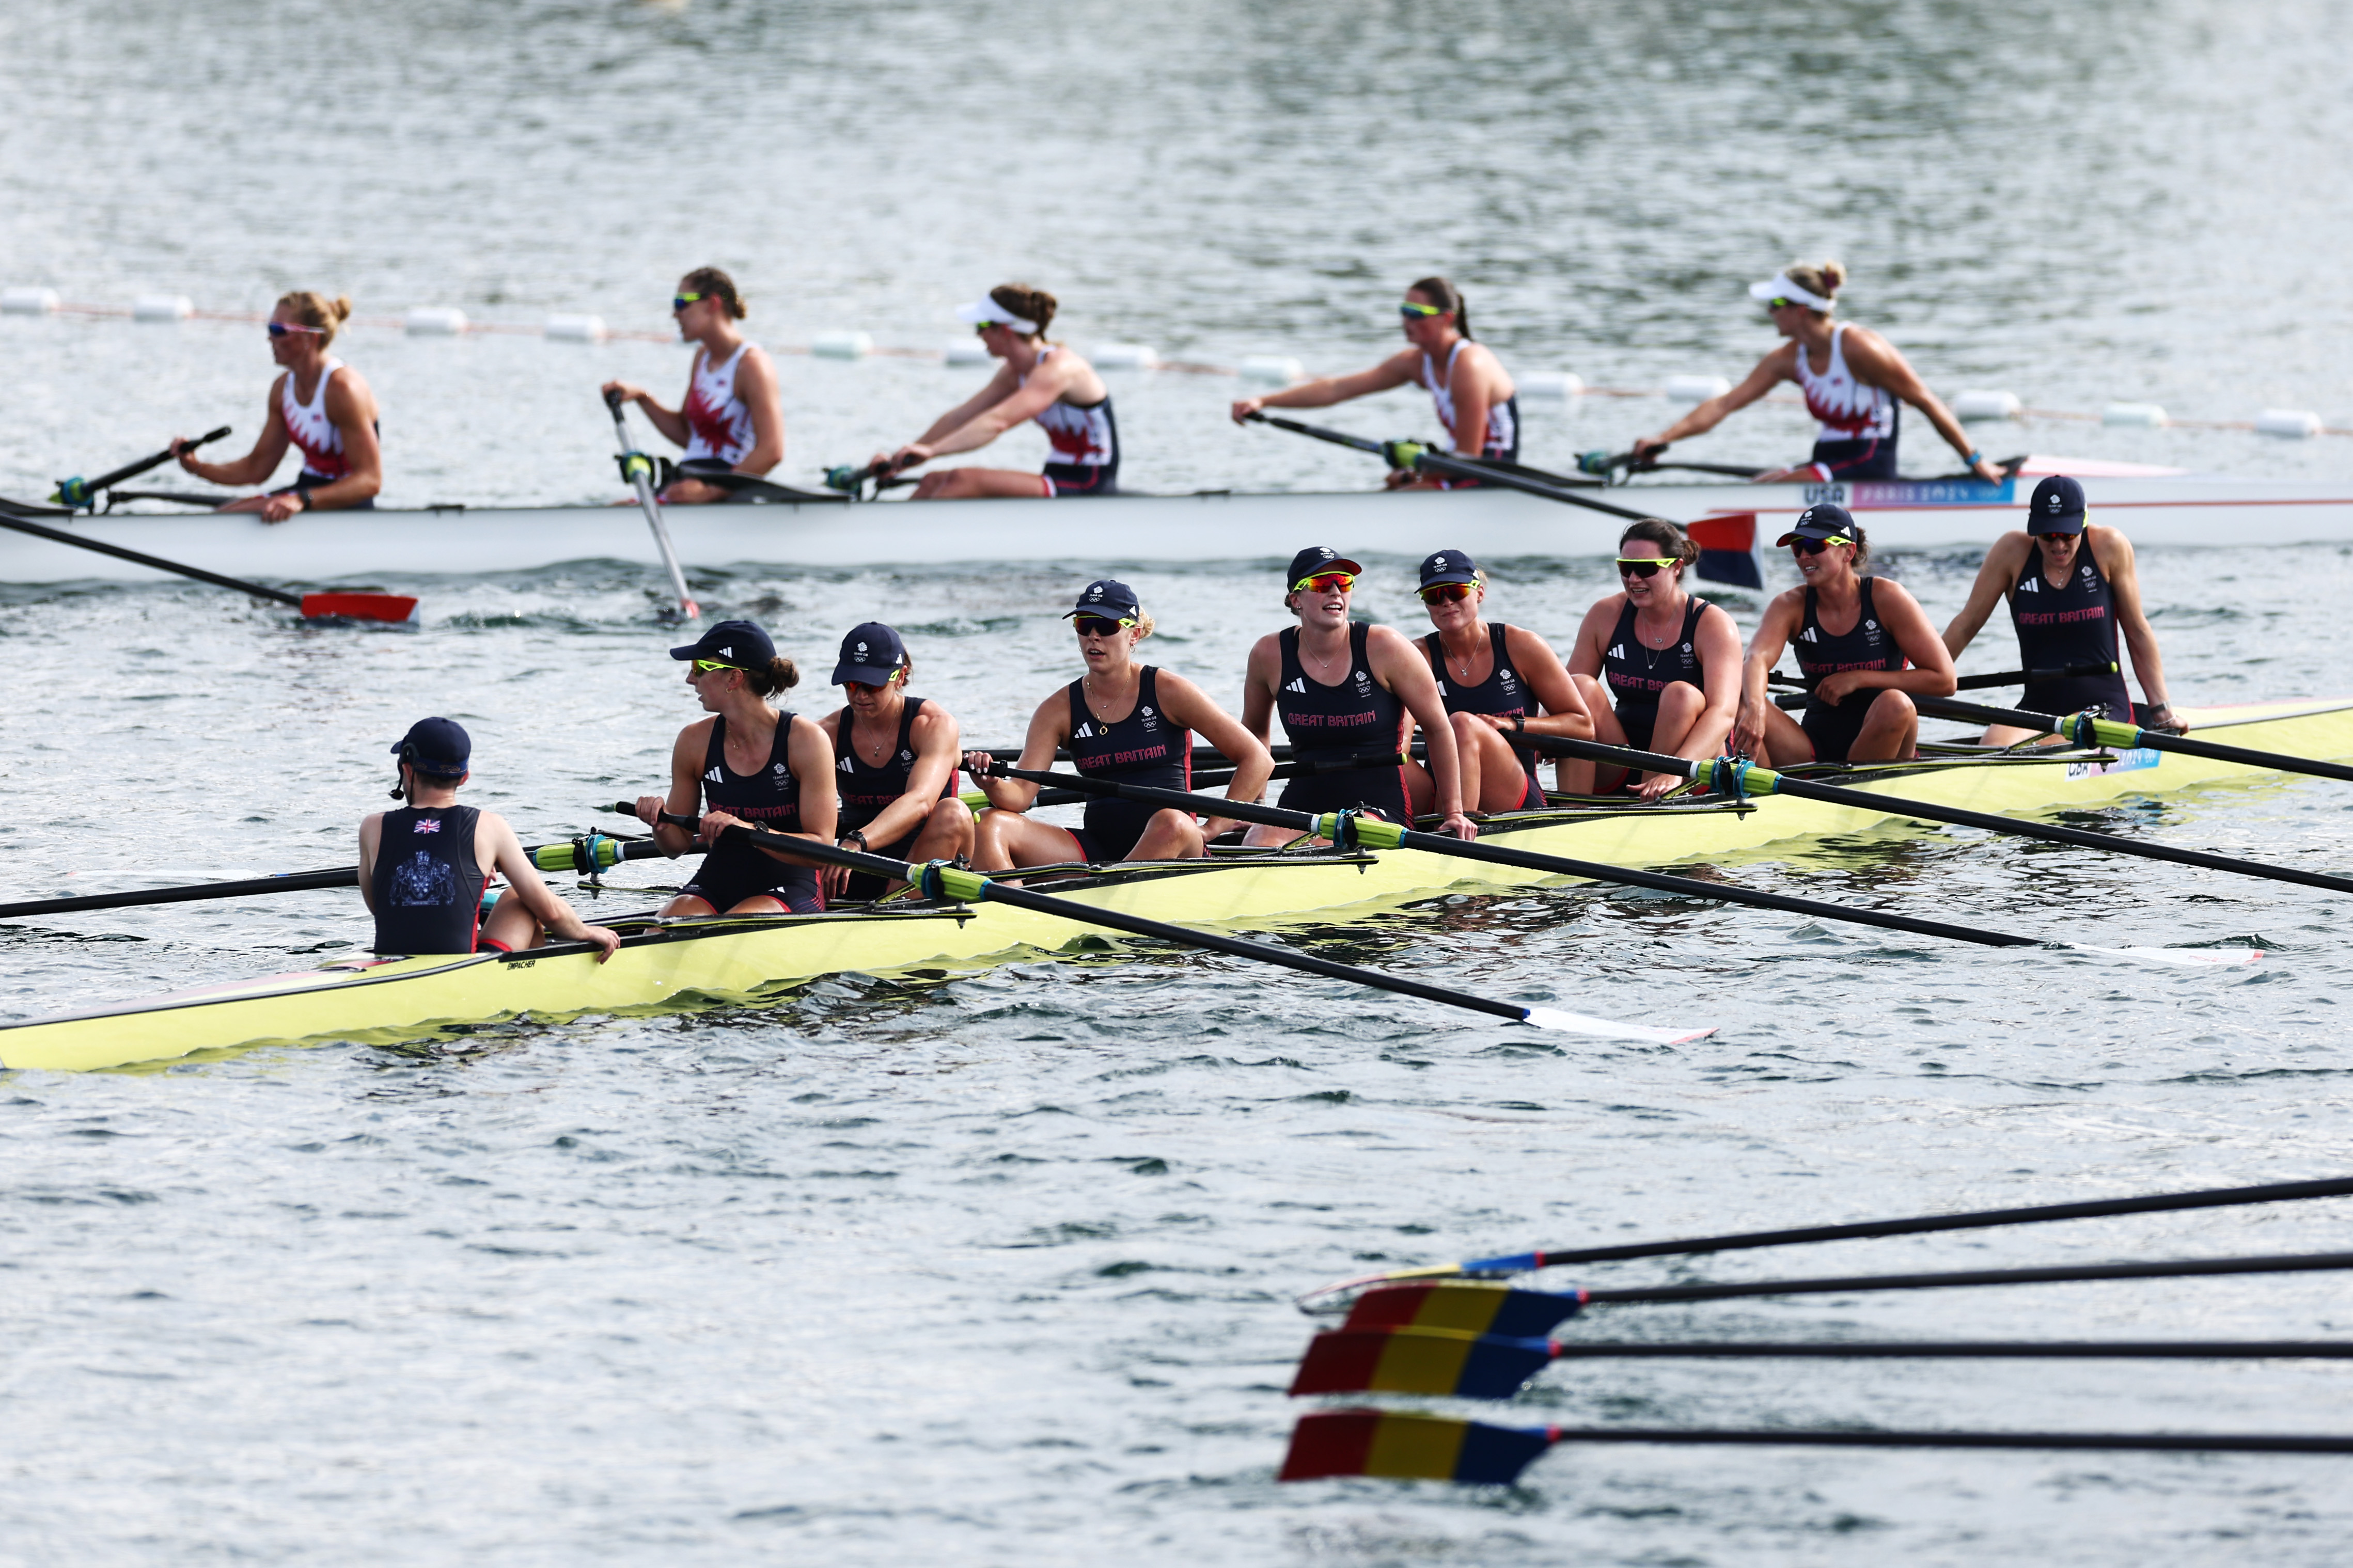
x=1651, y=656
x=1321, y=662
x=1100, y=706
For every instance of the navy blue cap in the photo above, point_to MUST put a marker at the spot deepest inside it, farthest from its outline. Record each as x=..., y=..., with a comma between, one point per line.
x=1449, y=566
x=1111, y=599
x=2057, y=507
x=437, y=747
x=740, y=643
x=1317, y=559
x=871, y=655
x=1821, y=521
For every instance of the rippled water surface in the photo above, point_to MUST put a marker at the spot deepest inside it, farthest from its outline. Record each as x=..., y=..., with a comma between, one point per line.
x=996, y=1268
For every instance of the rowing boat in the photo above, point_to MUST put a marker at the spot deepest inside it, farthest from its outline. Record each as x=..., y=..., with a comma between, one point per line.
x=2155, y=506
x=666, y=964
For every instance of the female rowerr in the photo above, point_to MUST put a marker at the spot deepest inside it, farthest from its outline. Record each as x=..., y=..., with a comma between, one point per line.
x=319, y=404
x=733, y=420
x=1476, y=401
x=1852, y=379
x=1658, y=667
x=1123, y=720
x=751, y=765
x=1039, y=380
x=1853, y=636
x=1500, y=684
x=897, y=765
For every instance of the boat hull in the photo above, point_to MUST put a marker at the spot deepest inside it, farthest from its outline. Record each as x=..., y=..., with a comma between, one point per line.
x=671, y=966
x=321, y=547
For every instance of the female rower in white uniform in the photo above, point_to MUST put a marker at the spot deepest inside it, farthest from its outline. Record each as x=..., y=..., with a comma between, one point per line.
x=1852, y=379
x=1124, y=721
x=1477, y=404
x=1853, y=636
x=733, y=420
x=1658, y=667
x=1039, y=380
x=1500, y=683
x=319, y=404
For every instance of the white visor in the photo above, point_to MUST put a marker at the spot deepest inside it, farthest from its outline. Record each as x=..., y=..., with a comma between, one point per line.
x=1778, y=287
x=981, y=310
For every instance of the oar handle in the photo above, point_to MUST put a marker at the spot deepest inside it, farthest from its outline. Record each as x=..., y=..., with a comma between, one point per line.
x=82, y=493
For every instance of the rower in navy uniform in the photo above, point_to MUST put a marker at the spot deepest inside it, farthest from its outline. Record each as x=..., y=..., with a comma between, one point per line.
x=423, y=867
x=1347, y=690
x=1477, y=404
x=1853, y=380
x=1039, y=380
x=1659, y=667
x=1120, y=720
x=1501, y=685
x=1854, y=638
x=895, y=763
x=2072, y=591
x=751, y=765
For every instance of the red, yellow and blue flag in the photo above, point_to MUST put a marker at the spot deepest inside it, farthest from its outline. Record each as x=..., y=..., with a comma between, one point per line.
x=1419, y=1361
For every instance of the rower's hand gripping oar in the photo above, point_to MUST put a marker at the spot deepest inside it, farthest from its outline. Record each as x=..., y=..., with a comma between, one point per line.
x=853, y=481
x=938, y=879
x=342, y=604
x=1605, y=463
x=638, y=472
x=78, y=493
x=1351, y=828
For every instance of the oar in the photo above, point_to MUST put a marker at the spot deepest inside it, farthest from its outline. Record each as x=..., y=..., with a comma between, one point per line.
x=2088, y=729
x=1404, y=1445
x=1211, y=777
x=177, y=498
x=343, y=604
x=1861, y=1230
x=1606, y=462
x=595, y=846
x=1353, y=829
x=2036, y=677
x=75, y=493
x=637, y=471
x=1413, y=455
x=1449, y=1361
x=1738, y=778
x=937, y=880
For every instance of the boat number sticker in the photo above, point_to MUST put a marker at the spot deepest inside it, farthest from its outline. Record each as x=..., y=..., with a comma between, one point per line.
x=2122, y=763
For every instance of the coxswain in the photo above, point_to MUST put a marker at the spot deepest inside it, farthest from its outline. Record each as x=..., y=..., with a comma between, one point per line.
x=1502, y=685
x=1855, y=636
x=1659, y=667
x=753, y=767
x=1852, y=379
x=1038, y=380
x=732, y=421
x=2072, y=589
x=1478, y=407
x=1350, y=691
x=318, y=403
x=1124, y=721
x=423, y=867
x=896, y=765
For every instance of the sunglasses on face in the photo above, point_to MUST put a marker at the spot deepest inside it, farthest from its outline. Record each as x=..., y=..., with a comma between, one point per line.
x=2057, y=538
x=279, y=329
x=704, y=667
x=1097, y=626
x=680, y=301
x=1778, y=304
x=1413, y=311
x=1816, y=546
x=1641, y=566
x=861, y=689
x=1326, y=582
x=1446, y=592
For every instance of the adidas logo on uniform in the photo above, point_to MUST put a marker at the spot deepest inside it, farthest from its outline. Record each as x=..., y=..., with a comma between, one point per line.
x=1807, y=635
x=1298, y=685
x=844, y=764
x=1085, y=732
x=712, y=775
x=2029, y=586
x=1617, y=650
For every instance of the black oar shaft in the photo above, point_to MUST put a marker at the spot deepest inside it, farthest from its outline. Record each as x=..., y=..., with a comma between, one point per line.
x=1989, y=1350
x=132, y=470
x=1412, y=455
x=156, y=562
x=1873, y=800
x=1551, y=864
x=2129, y=735
x=2034, y=677
x=2144, y=1442
x=292, y=882
x=2165, y=1268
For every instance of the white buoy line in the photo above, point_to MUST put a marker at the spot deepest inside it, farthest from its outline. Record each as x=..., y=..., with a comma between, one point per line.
x=1973, y=406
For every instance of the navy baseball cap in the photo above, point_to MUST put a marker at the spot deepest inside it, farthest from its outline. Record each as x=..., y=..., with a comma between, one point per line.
x=2057, y=507
x=1823, y=521
x=437, y=747
x=1450, y=566
x=871, y=655
x=1111, y=599
x=1317, y=559
x=740, y=643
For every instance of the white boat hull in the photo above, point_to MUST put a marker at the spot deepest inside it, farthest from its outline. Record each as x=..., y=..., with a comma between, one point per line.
x=321, y=547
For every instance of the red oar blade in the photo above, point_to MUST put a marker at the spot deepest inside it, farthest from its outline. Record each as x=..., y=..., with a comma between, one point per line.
x=1408, y=1448
x=1419, y=1360
x=358, y=607
x=1465, y=1306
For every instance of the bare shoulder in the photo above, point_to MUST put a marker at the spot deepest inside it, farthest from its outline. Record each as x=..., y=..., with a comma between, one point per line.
x=1526, y=645
x=1388, y=641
